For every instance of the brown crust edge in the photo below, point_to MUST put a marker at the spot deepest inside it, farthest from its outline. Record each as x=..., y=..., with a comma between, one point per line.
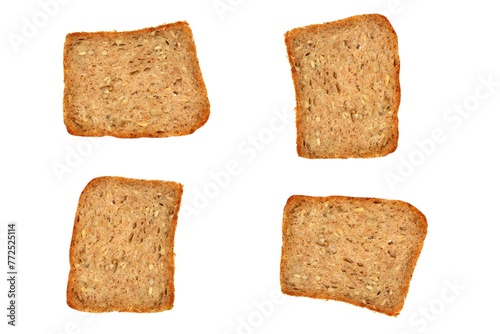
x=301, y=151
x=199, y=77
x=169, y=302
x=395, y=312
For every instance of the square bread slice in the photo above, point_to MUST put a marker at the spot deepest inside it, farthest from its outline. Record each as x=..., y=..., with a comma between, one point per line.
x=122, y=249
x=142, y=83
x=358, y=250
x=346, y=79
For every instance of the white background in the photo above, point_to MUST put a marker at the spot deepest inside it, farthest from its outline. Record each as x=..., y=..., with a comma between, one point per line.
x=228, y=247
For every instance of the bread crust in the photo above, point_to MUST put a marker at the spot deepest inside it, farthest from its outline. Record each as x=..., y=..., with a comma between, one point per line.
x=168, y=301
x=300, y=112
x=294, y=200
x=204, y=111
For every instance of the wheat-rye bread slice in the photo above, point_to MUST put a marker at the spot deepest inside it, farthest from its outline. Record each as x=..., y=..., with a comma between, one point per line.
x=122, y=248
x=347, y=90
x=361, y=251
x=142, y=83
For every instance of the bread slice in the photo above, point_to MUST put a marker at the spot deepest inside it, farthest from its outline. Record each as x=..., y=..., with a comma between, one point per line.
x=143, y=83
x=346, y=78
x=122, y=250
x=358, y=250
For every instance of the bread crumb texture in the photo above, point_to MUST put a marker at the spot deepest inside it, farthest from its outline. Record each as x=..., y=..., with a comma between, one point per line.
x=358, y=250
x=346, y=79
x=121, y=255
x=143, y=83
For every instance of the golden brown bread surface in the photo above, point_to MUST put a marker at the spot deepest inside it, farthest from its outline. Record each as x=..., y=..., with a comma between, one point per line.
x=142, y=83
x=358, y=250
x=346, y=79
x=122, y=249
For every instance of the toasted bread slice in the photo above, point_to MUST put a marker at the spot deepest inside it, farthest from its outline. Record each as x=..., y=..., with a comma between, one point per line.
x=122, y=249
x=143, y=83
x=358, y=250
x=346, y=79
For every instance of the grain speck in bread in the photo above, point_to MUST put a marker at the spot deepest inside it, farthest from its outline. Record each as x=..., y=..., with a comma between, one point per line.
x=346, y=79
x=122, y=249
x=358, y=250
x=142, y=83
